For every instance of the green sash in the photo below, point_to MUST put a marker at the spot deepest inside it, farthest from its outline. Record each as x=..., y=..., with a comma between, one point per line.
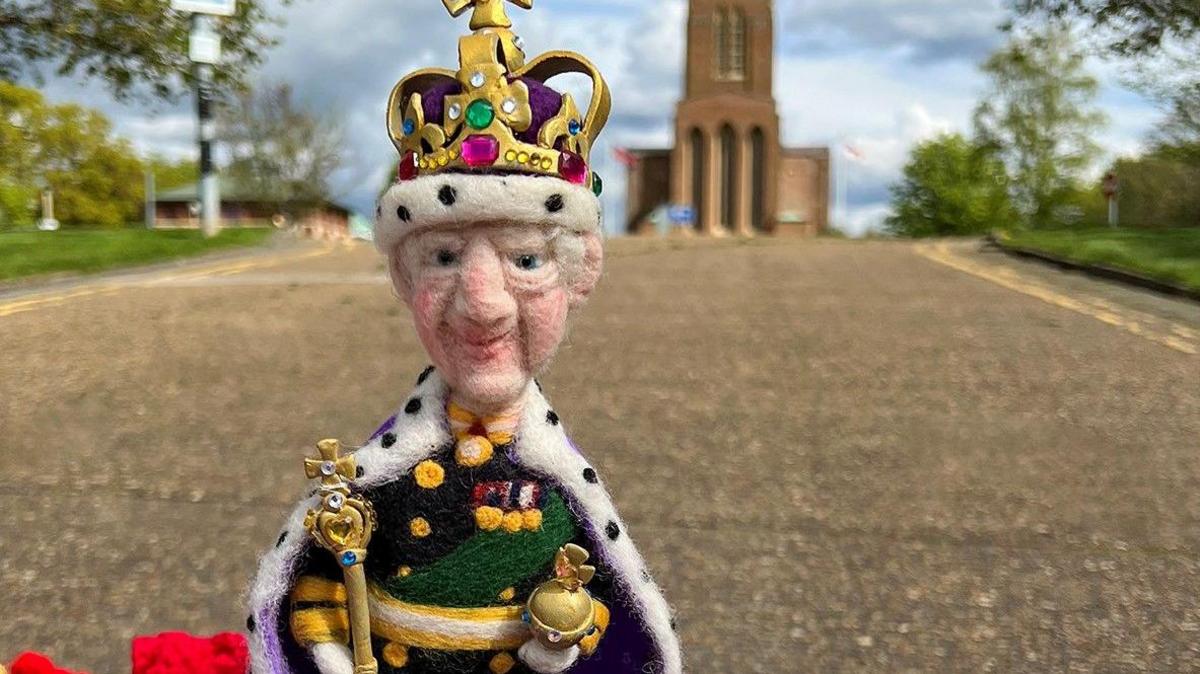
x=475, y=573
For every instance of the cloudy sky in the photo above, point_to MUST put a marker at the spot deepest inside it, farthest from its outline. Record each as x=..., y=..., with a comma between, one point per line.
x=878, y=75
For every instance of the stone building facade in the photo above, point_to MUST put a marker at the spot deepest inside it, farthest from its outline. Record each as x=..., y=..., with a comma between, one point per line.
x=728, y=169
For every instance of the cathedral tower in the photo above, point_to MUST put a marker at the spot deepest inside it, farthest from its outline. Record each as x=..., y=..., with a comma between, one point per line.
x=726, y=126
x=728, y=164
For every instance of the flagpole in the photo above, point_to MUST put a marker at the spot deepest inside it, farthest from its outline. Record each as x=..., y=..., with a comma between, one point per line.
x=840, y=186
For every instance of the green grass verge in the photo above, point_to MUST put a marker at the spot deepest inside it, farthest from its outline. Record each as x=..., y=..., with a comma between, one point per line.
x=24, y=254
x=1171, y=255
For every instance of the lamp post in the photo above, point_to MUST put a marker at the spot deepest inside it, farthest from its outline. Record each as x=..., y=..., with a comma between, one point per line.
x=204, y=49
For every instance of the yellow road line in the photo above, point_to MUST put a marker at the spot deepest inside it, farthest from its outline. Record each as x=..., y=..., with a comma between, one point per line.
x=100, y=288
x=1179, y=339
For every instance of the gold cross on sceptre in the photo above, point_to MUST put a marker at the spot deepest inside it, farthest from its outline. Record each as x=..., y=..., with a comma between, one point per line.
x=488, y=13
x=334, y=469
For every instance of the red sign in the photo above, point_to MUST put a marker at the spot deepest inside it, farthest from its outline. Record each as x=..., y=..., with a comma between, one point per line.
x=1111, y=185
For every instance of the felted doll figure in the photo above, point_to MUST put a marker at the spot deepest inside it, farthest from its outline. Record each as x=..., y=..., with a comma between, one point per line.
x=494, y=546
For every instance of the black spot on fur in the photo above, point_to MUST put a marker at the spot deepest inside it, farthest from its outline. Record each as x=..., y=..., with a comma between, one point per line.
x=539, y=385
x=447, y=195
x=359, y=472
x=403, y=214
x=413, y=406
x=282, y=538
x=555, y=203
x=388, y=439
x=250, y=623
x=590, y=475
x=425, y=375
x=645, y=575
x=613, y=531
x=552, y=417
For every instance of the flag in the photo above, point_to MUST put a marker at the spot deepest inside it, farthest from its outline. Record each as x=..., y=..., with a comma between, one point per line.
x=625, y=156
x=853, y=152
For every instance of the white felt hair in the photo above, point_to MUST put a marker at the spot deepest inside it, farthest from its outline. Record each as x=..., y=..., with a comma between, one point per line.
x=459, y=199
x=542, y=446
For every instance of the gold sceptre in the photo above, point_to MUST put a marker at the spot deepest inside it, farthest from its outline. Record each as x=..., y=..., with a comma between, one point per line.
x=343, y=525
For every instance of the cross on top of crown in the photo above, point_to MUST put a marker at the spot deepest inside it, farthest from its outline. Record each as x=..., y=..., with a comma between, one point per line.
x=487, y=13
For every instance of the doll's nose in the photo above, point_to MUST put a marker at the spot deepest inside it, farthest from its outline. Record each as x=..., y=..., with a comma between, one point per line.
x=483, y=295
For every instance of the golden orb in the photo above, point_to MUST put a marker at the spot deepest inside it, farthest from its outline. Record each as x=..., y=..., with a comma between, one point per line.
x=559, y=616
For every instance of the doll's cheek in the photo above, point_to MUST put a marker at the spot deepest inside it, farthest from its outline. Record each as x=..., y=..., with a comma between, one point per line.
x=545, y=319
x=428, y=307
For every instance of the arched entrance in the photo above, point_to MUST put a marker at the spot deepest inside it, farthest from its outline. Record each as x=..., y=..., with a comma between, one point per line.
x=729, y=178
x=758, y=180
x=699, y=168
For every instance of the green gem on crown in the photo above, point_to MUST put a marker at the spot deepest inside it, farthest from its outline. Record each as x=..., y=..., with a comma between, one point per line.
x=480, y=113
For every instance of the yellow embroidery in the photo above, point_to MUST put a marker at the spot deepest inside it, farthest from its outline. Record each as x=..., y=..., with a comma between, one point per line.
x=508, y=594
x=590, y=643
x=404, y=571
x=311, y=589
x=419, y=527
x=513, y=522
x=473, y=451
x=429, y=475
x=477, y=437
x=489, y=518
x=502, y=663
x=533, y=519
x=321, y=626
x=395, y=655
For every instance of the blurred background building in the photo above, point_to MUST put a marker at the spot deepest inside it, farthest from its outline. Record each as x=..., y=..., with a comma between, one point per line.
x=728, y=172
x=242, y=206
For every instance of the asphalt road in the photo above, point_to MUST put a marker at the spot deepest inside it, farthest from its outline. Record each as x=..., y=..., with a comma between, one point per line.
x=836, y=456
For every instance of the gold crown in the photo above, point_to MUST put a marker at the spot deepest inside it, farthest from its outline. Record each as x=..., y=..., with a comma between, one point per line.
x=480, y=124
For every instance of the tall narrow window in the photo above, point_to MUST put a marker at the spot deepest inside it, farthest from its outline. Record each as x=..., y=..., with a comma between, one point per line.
x=737, y=45
x=729, y=44
x=721, y=42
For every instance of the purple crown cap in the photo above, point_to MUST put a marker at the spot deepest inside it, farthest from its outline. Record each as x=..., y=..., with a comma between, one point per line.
x=543, y=101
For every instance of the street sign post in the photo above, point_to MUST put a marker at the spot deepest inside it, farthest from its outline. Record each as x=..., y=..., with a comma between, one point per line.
x=204, y=43
x=1111, y=188
x=204, y=50
x=213, y=7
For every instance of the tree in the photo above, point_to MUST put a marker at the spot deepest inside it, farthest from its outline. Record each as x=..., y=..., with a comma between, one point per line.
x=1158, y=191
x=1038, y=119
x=1160, y=38
x=169, y=174
x=950, y=187
x=1129, y=27
x=279, y=151
x=96, y=178
x=129, y=43
x=1178, y=137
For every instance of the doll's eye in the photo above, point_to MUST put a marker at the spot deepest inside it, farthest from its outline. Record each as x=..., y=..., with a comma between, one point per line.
x=446, y=258
x=528, y=262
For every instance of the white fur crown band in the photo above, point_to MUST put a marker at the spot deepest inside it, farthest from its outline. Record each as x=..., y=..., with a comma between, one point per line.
x=460, y=199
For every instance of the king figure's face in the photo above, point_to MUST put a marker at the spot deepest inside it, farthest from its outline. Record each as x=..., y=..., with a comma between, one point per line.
x=490, y=302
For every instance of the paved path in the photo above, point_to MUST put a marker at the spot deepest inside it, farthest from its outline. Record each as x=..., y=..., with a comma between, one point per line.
x=837, y=456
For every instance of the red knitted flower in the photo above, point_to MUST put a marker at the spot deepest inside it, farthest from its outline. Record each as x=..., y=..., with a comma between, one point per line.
x=179, y=653
x=35, y=663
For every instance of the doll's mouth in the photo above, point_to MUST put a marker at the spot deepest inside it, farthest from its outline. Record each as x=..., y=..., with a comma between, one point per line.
x=486, y=342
